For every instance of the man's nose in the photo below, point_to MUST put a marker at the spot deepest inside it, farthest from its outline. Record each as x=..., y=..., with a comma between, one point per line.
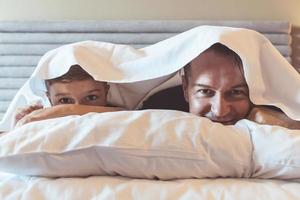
x=220, y=106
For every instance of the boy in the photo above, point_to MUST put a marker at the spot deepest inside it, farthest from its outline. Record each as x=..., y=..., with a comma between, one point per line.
x=74, y=93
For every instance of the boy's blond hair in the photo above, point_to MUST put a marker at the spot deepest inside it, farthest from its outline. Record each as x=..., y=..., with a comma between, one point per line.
x=75, y=73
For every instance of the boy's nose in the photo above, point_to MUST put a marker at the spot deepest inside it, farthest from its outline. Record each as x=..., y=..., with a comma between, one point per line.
x=77, y=102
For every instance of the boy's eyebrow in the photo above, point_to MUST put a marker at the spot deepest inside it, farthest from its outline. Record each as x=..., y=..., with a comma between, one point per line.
x=66, y=94
x=94, y=90
x=61, y=94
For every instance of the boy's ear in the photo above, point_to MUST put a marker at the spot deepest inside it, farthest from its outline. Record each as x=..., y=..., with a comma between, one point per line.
x=48, y=96
x=185, y=87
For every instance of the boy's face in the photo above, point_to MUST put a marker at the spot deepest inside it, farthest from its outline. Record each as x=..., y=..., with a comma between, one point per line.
x=84, y=92
x=216, y=88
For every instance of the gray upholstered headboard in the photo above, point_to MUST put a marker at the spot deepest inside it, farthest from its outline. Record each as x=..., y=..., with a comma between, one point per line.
x=23, y=43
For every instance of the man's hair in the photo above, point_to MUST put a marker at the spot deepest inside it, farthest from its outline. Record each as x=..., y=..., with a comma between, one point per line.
x=219, y=49
x=75, y=73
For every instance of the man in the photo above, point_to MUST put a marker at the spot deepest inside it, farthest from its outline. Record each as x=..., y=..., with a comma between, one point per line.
x=214, y=86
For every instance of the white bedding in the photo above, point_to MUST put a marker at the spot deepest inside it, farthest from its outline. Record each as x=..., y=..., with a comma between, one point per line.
x=150, y=144
x=110, y=187
x=250, y=150
x=271, y=158
x=133, y=73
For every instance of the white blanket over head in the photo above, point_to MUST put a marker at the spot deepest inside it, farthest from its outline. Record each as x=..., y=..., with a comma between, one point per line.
x=133, y=73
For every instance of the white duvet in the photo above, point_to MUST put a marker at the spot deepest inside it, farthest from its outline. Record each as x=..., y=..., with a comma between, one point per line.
x=134, y=73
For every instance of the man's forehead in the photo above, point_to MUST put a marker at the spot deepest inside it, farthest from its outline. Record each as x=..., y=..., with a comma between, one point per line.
x=219, y=81
x=216, y=71
x=212, y=59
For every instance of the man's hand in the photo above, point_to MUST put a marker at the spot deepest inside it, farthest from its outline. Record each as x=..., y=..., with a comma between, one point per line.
x=64, y=110
x=265, y=115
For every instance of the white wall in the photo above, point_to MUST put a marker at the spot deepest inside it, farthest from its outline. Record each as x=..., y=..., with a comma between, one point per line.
x=150, y=9
x=158, y=9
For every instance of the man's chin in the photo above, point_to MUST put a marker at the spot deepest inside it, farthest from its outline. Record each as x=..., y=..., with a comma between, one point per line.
x=224, y=121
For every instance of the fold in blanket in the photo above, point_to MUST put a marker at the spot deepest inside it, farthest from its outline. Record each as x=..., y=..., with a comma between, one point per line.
x=133, y=73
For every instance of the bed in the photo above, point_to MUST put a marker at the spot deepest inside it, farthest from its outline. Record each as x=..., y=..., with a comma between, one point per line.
x=147, y=163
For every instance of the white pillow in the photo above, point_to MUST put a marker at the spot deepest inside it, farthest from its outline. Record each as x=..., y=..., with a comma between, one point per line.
x=140, y=144
x=276, y=151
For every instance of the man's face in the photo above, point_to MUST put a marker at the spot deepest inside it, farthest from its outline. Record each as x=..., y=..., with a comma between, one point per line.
x=83, y=92
x=216, y=88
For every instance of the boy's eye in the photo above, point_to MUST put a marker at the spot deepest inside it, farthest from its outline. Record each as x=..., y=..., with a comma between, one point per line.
x=91, y=97
x=65, y=101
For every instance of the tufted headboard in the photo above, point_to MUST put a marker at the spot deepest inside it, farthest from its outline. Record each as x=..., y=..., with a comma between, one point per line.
x=22, y=43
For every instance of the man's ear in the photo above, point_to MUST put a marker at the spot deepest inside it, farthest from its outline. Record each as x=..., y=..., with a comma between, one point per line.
x=185, y=88
x=106, y=88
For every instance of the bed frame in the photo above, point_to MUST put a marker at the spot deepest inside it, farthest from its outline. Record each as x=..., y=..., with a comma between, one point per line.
x=23, y=43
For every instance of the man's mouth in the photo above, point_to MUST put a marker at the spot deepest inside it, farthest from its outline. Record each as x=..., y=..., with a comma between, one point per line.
x=225, y=122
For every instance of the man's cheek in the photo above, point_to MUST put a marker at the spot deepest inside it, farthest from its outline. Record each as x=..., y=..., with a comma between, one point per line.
x=197, y=107
x=243, y=108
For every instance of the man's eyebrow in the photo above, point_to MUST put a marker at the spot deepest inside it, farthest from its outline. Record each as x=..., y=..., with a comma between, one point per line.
x=201, y=85
x=244, y=85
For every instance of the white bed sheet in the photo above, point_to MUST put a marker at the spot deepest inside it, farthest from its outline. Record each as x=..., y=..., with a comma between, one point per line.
x=114, y=187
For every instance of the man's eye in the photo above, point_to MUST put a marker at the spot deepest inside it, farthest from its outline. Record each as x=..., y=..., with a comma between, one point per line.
x=65, y=101
x=237, y=92
x=205, y=92
x=92, y=97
